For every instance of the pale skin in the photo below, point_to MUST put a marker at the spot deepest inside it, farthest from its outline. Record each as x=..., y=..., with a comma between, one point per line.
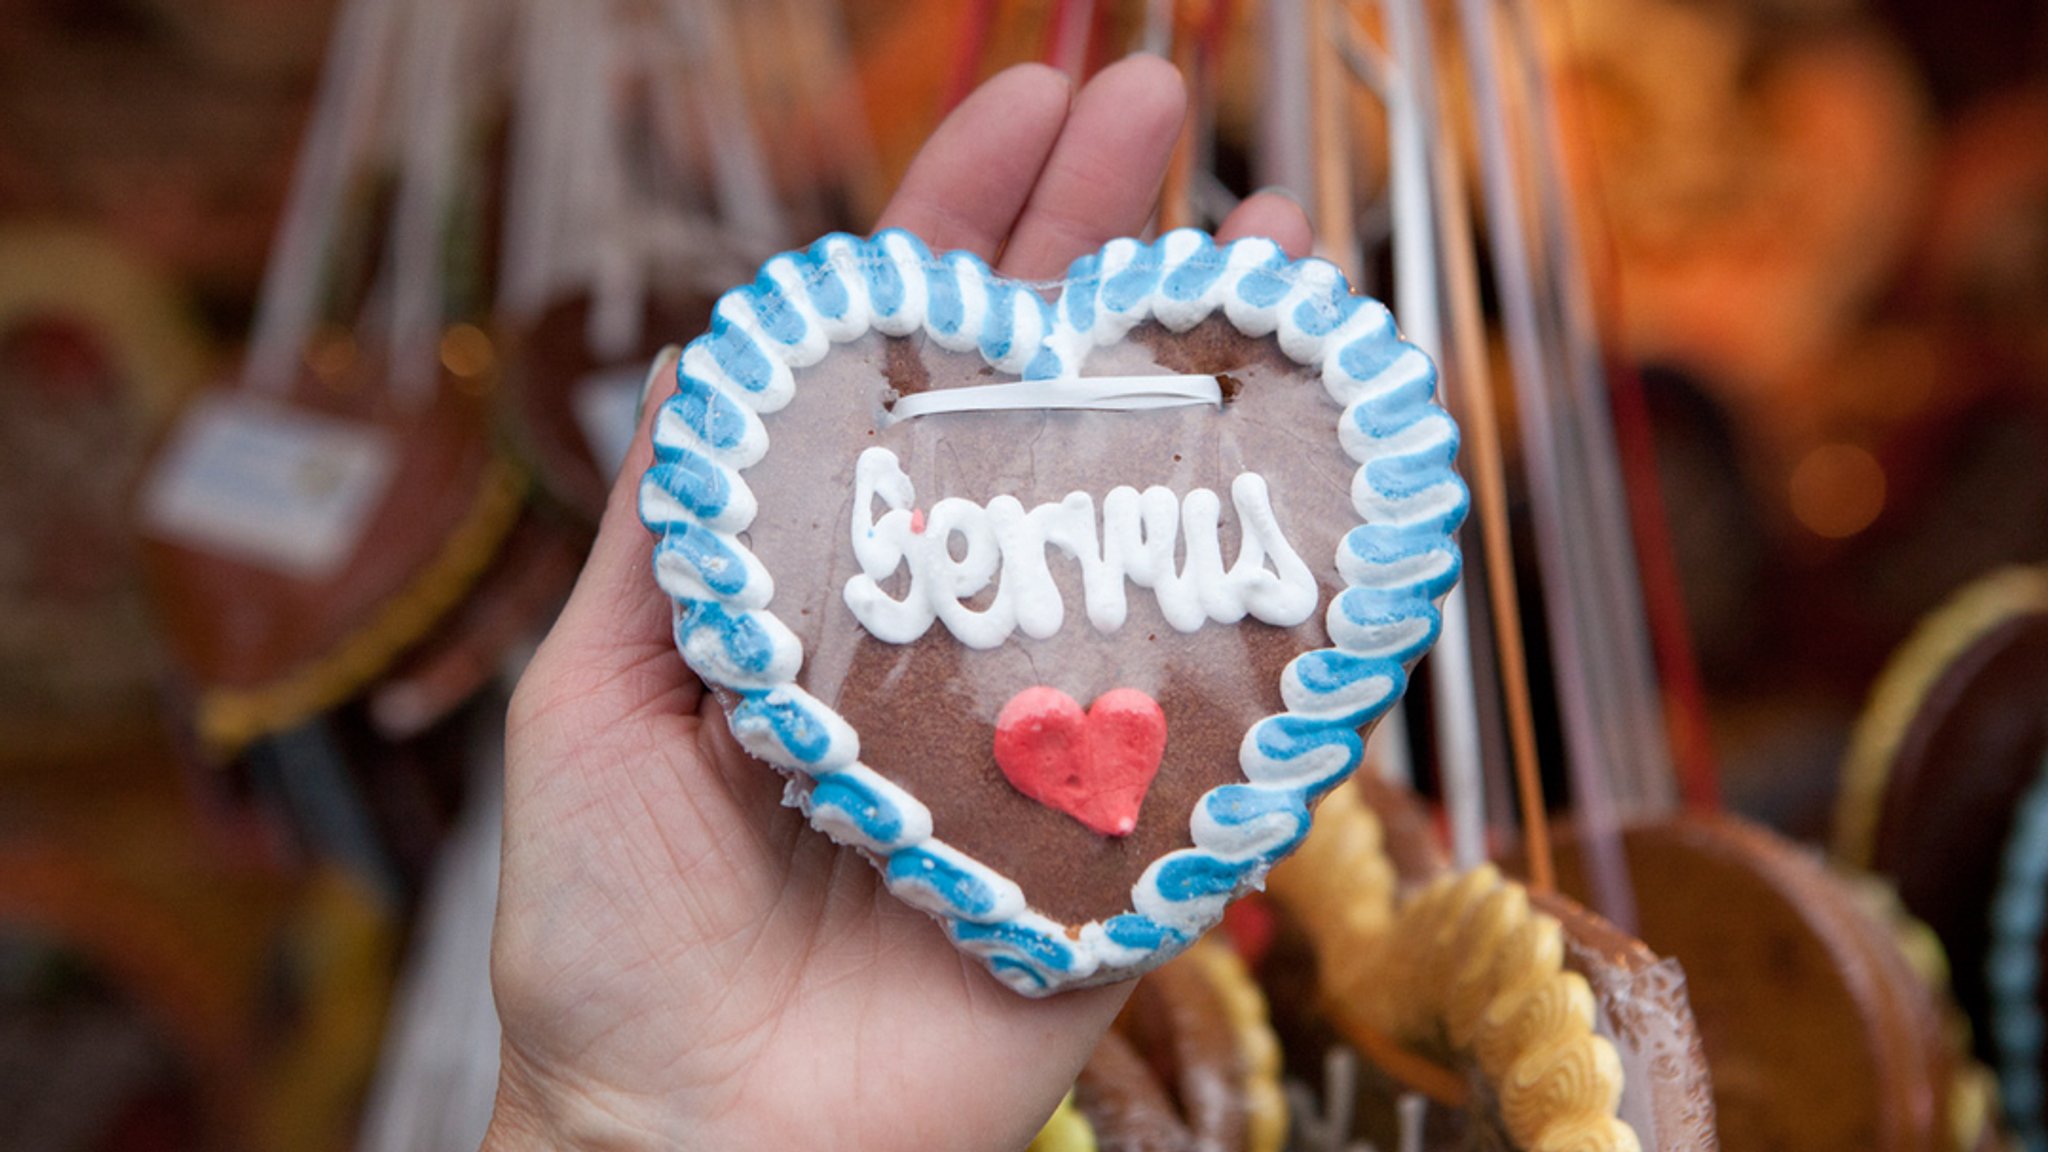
x=679, y=961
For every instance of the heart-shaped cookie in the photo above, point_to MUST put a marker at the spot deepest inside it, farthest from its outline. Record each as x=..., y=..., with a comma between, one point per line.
x=894, y=491
x=267, y=645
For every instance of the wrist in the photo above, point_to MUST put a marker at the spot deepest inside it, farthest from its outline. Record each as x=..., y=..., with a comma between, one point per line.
x=529, y=1117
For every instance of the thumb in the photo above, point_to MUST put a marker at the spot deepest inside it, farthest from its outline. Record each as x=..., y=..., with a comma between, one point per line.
x=616, y=616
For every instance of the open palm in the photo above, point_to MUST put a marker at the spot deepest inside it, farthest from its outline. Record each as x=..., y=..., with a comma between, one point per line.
x=679, y=962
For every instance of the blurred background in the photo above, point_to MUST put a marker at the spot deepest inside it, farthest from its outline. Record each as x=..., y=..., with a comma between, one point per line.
x=320, y=327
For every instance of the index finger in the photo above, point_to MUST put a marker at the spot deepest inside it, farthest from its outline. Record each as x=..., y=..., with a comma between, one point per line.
x=971, y=179
x=1103, y=176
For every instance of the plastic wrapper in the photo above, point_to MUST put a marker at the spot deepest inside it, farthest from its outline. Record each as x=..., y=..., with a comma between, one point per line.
x=1063, y=602
x=1667, y=1096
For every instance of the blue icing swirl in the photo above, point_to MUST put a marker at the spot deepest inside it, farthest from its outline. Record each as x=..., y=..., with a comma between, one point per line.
x=736, y=354
x=948, y=311
x=1046, y=365
x=1047, y=952
x=707, y=553
x=822, y=280
x=1367, y=359
x=1077, y=300
x=1409, y=474
x=884, y=279
x=1197, y=274
x=1132, y=930
x=778, y=317
x=1291, y=737
x=1399, y=543
x=1001, y=326
x=1264, y=287
x=1386, y=611
x=877, y=818
x=1324, y=315
x=1006, y=967
x=1191, y=876
x=696, y=483
x=964, y=892
x=1239, y=805
x=1332, y=670
x=791, y=723
x=747, y=645
x=705, y=410
x=1124, y=291
x=1396, y=410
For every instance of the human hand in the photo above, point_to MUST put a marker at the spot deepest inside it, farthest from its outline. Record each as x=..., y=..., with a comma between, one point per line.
x=678, y=961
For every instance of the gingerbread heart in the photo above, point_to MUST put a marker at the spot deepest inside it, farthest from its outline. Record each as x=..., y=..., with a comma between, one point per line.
x=894, y=491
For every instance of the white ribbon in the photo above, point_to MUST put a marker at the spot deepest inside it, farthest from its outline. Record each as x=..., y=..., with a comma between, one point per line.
x=1106, y=393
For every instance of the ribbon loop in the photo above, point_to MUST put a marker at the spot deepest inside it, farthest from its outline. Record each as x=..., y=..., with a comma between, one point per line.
x=1103, y=393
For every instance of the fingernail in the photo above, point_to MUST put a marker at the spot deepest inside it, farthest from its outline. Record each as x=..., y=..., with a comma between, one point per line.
x=663, y=369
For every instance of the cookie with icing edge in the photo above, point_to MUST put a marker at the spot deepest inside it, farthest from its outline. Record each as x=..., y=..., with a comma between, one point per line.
x=1538, y=1006
x=1940, y=796
x=1392, y=564
x=1924, y=682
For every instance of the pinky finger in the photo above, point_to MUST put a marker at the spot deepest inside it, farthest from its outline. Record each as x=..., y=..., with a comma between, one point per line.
x=1274, y=215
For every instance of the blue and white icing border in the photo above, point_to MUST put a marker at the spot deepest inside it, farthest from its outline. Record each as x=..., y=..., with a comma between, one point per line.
x=2012, y=968
x=1397, y=564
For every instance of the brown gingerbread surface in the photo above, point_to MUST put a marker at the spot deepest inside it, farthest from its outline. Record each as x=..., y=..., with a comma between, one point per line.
x=925, y=710
x=1127, y=1107
x=1408, y=826
x=1192, y=1062
x=1177, y=1020
x=1817, y=1035
x=511, y=605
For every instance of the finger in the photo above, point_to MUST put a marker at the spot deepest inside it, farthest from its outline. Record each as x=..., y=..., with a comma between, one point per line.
x=1105, y=171
x=971, y=178
x=616, y=606
x=1272, y=214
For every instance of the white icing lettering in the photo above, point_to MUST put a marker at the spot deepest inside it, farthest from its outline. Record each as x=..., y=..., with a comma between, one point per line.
x=956, y=551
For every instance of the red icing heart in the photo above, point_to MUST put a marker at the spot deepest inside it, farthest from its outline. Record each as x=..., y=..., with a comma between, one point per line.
x=1095, y=766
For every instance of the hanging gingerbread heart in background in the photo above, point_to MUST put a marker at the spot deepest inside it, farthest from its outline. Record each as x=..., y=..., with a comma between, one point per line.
x=309, y=527
x=894, y=491
x=621, y=225
x=96, y=354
